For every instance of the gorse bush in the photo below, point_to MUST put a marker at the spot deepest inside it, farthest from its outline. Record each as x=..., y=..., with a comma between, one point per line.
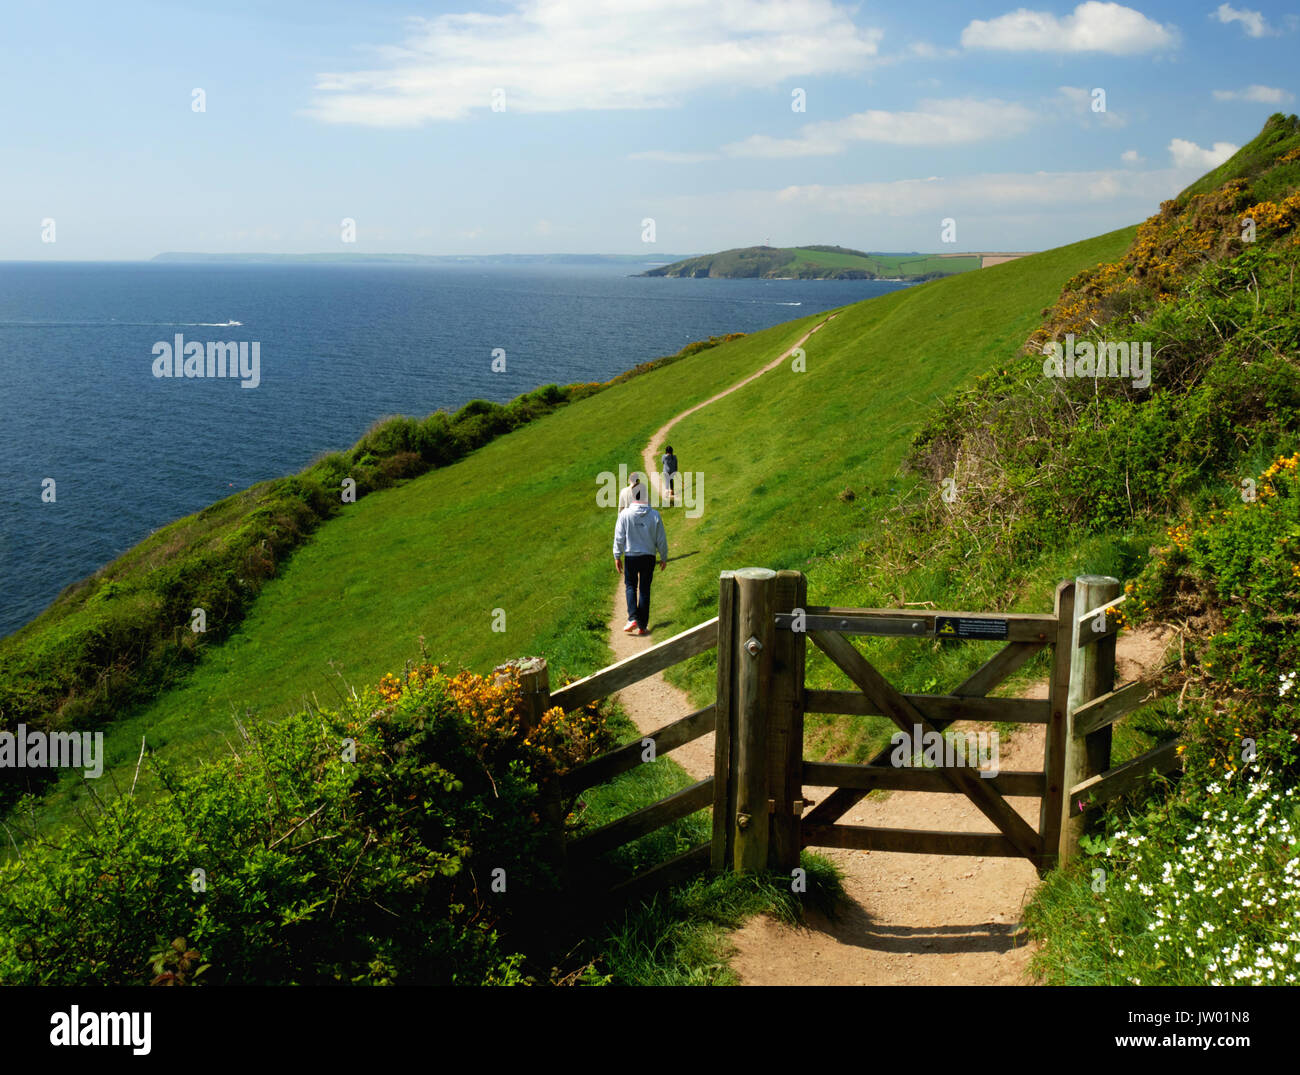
x=1230, y=578
x=1038, y=463
x=363, y=845
x=1099, y=453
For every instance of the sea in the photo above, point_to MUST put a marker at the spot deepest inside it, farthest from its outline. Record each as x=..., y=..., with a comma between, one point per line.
x=339, y=346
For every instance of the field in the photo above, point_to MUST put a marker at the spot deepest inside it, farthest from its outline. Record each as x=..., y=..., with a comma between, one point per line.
x=886, y=265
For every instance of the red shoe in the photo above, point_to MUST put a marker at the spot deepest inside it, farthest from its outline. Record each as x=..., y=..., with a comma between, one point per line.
x=640, y=631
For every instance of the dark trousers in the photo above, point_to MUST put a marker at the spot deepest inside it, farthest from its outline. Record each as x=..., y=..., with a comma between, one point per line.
x=638, y=571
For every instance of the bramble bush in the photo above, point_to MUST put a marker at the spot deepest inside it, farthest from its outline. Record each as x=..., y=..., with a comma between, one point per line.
x=354, y=846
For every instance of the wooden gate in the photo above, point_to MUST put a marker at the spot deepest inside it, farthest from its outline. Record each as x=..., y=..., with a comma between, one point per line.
x=1079, y=636
x=757, y=790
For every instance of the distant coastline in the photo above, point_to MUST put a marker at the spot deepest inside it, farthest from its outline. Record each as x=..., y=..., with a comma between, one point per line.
x=817, y=262
x=363, y=258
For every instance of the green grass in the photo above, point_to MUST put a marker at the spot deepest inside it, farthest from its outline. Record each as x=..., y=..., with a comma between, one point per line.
x=516, y=526
x=679, y=936
x=887, y=265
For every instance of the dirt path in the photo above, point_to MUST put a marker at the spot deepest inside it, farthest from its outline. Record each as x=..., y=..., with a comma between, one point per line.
x=908, y=919
x=651, y=452
x=922, y=919
x=654, y=702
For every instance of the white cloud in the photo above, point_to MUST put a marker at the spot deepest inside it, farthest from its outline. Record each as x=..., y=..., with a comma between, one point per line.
x=926, y=51
x=1092, y=27
x=981, y=192
x=1006, y=211
x=1187, y=154
x=1131, y=156
x=1253, y=22
x=576, y=55
x=1267, y=95
x=947, y=122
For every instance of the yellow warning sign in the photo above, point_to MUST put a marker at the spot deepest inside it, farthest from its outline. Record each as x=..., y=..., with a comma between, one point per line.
x=970, y=627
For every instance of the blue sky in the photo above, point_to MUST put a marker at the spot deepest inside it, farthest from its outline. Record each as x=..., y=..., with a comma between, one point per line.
x=614, y=111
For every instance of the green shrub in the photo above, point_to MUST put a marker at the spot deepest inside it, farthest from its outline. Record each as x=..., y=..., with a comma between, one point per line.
x=1231, y=576
x=350, y=846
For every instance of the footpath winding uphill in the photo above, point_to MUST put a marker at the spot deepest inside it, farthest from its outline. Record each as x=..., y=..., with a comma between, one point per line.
x=654, y=702
x=908, y=919
x=922, y=919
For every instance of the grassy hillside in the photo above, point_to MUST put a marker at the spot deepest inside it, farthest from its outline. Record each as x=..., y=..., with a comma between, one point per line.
x=889, y=266
x=516, y=529
x=516, y=526
x=785, y=455
x=816, y=262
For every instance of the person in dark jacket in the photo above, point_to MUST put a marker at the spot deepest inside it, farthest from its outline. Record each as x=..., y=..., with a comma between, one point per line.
x=670, y=474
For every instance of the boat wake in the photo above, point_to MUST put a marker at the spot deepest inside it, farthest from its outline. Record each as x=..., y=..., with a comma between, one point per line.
x=121, y=324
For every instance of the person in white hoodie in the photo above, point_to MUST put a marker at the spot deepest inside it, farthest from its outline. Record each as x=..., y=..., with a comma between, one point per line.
x=638, y=537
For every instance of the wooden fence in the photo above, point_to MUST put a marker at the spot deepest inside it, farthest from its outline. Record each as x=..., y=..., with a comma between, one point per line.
x=761, y=817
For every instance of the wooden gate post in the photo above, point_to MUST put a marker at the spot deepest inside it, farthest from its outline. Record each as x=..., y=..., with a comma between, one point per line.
x=755, y=631
x=724, y=729
x=534, y=686
x=1092, y=674
x=535, y=693
x=1055, y=807
x=785, y=735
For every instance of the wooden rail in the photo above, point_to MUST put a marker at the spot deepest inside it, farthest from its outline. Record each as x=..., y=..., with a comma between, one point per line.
x=966, y=626
x=756, y=791
x=934, y=707
x=912, y=841
x=633, y=669
x=893, y=778
x=603, y=769
x=677, y=868
x=643, y=821
x=1124, y=777
x=1106, y=709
